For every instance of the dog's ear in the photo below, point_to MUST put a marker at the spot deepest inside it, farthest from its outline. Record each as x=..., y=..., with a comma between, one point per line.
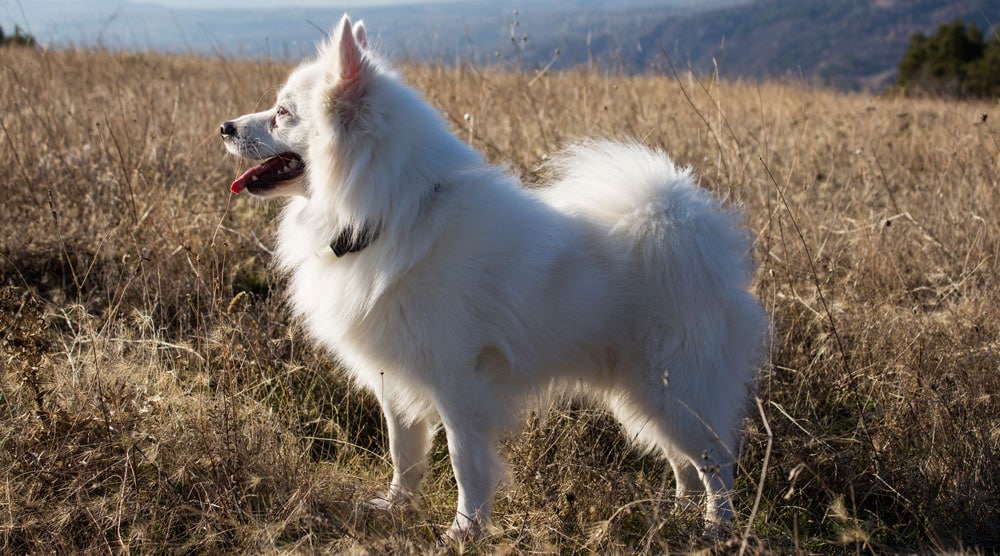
x=348, y=73
x=350, y=58
x=360, y=35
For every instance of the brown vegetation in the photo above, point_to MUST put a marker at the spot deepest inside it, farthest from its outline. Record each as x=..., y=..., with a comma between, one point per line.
x=156, y=397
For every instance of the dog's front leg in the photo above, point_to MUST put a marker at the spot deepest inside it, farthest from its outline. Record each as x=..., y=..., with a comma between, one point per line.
x=409, y=443
x=477, y=468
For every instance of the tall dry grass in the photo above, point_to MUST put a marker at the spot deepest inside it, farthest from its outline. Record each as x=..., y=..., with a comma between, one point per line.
x=156, y=396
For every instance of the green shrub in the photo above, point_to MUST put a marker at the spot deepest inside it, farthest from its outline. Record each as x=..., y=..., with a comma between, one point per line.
x=19, y=38
x=955, y=61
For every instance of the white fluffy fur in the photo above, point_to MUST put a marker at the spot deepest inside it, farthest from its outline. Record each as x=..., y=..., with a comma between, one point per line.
x=622, y=280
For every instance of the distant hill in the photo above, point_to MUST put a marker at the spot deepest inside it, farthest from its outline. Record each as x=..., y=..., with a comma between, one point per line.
x=845, y=43
x=471, y=29
x=853, y=44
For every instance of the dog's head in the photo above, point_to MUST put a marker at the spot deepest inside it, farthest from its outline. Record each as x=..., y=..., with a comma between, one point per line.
x=279, y=137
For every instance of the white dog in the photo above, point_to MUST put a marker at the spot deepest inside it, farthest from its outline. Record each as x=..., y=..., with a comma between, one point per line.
x=460, y=298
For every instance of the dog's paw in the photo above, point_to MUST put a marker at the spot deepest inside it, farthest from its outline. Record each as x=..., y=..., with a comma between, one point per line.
x=380, y=504
x=462, y=530
x=718, y=531
x=393, y=500
x=688, y=505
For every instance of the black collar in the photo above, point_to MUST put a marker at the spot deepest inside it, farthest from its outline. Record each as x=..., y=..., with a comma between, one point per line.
x=349, y=242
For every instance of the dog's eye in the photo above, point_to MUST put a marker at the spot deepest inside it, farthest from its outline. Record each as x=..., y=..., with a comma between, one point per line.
x=282, y=111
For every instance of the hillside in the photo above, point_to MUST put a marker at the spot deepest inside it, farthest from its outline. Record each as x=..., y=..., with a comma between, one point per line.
x=156, y=397
x=851, y=44
x=845, y=43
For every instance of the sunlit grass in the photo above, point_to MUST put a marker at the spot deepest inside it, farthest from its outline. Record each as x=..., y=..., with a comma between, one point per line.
x=156, y=396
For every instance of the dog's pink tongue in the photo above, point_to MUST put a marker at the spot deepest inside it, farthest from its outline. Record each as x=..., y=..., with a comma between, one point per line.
x=269, y=174
x=240, y=183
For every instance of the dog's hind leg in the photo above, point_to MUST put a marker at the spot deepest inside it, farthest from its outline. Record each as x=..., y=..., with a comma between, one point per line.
x=714, y=374
x=696, y=437
x=649, y=423
x=643, y=428
x=704, y=434
x=409, y=442
x=690, y=489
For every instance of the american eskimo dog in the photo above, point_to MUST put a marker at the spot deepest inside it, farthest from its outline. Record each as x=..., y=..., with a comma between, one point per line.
x=459, y=298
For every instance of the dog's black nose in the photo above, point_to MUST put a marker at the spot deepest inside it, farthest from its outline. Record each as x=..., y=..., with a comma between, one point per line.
x=228, y=129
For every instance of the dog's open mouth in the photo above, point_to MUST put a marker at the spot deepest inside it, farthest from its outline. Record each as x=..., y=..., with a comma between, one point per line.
x=270, y=174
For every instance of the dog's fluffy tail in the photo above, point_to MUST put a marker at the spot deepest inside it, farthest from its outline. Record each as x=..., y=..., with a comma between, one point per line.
x=692, y=254
x=654, y=209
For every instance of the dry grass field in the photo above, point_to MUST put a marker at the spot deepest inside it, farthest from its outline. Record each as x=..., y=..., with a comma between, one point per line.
x=156, y=396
